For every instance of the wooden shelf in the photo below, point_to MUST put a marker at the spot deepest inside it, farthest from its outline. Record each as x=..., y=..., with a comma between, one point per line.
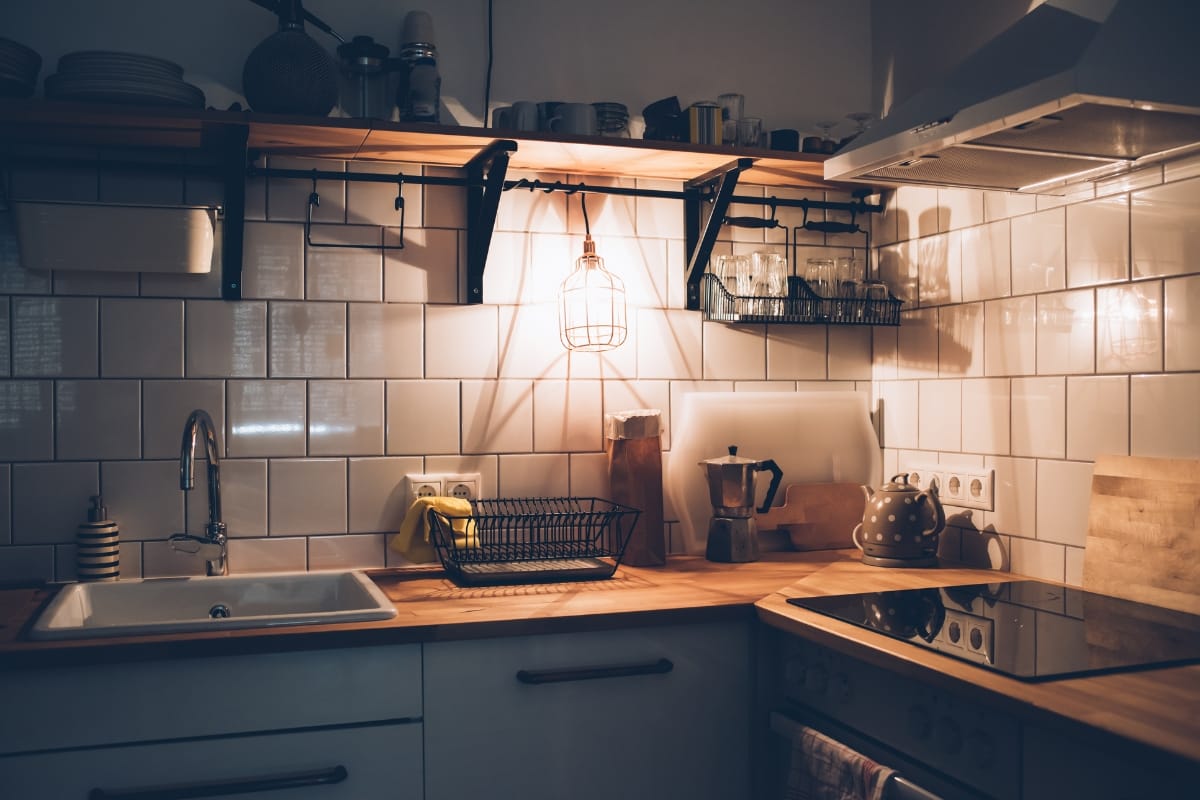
x=36, y=122
x=228, y=141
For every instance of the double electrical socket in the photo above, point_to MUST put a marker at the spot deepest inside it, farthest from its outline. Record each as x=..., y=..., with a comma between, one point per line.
x=965, y=487
x=464, y=485
x=971, y=633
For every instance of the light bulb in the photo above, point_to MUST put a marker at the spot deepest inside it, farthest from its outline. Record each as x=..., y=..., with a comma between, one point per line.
x=591, y=305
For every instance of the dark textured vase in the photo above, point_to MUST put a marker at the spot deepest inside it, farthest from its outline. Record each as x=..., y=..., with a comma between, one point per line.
x=288, y=72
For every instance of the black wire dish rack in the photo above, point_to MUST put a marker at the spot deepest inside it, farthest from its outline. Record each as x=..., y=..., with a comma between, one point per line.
x=532, y=540
x=801, y=306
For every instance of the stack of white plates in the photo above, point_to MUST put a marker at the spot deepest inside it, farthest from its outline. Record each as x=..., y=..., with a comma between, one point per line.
x=18, y=69
x=109, y=77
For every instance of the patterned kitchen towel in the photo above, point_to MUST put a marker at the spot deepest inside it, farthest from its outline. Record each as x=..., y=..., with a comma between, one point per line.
x=825, y=769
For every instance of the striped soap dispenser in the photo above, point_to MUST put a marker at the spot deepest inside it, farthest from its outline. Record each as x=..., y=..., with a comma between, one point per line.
x=98, y=543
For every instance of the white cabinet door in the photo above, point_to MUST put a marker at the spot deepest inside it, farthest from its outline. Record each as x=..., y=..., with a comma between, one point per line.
x=380, y=762
x=655, y=712
x=144, y=701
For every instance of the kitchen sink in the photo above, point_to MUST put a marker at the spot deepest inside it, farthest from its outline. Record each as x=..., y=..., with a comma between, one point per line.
x=177, y=605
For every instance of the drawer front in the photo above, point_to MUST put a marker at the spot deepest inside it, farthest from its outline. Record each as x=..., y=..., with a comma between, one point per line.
x=641, y=713
x=379, y=761
x=151, y=700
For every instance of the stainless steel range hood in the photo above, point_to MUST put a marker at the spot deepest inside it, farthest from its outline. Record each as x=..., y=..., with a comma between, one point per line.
x=1060, y=97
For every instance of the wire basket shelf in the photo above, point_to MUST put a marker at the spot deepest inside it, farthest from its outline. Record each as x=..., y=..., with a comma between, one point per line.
x=532, y=540
x=801, y=306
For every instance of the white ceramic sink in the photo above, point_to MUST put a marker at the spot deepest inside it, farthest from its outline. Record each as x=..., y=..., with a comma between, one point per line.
x=175, y=605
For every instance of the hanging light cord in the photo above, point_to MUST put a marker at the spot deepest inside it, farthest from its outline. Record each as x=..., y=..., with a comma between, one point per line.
x=587, y=228
x=487, y=85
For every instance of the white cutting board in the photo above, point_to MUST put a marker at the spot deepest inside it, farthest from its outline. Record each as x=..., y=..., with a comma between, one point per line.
x=814, y=437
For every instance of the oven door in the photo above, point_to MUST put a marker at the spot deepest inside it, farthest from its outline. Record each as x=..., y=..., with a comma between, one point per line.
x=911, y=781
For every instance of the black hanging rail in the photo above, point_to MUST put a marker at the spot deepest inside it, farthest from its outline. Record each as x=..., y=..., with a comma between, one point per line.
x=859, y=206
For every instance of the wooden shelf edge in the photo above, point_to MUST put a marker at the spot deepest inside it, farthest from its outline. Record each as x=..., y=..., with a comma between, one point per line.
x=40, y=122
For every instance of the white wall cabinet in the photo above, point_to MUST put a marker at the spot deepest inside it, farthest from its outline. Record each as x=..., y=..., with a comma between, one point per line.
x=591, y=716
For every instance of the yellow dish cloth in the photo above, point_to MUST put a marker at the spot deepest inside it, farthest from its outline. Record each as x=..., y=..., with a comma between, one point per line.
x=412, y=540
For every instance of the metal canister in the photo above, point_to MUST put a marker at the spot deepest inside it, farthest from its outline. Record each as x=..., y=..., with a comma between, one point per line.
x=704, y=123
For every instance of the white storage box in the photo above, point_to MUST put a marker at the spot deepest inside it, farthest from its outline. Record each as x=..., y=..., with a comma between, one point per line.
x=114, y=238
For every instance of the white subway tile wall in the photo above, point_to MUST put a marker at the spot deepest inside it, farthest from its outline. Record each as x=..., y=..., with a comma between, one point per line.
x=1110, y=367
x=1024, y=347
x=147, y=494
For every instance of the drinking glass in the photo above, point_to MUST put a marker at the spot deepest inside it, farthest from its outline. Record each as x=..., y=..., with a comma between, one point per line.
x=771, y=277
x=745, y=284
x=874, y=292
x=819, y=274
x=734, y=273
x=725, y=268
x=847, y=268
x=749, y=131
x=731, y=112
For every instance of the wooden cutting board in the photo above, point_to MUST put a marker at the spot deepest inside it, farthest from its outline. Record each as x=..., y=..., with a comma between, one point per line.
x=1143, y=539
x=817, y=516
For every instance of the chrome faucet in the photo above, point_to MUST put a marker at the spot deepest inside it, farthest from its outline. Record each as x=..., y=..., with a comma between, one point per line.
x=212, y=545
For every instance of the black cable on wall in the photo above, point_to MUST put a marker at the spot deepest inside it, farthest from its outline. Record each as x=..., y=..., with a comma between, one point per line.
x=487, y=84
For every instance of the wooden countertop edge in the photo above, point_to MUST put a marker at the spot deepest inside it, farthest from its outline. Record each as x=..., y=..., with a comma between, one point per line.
x=1073, y=706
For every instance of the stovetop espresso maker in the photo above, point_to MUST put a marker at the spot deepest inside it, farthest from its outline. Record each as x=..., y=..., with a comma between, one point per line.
x=733, y=532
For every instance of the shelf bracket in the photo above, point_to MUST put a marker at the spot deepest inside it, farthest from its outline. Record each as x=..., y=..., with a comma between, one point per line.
x=485, y=182
x=229, y=141
x=715, y=189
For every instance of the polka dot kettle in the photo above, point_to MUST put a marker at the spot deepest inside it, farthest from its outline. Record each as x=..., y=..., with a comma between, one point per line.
x=900, y=525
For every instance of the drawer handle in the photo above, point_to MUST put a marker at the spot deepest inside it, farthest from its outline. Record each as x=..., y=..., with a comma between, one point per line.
x=538, y=676
x=182, y=791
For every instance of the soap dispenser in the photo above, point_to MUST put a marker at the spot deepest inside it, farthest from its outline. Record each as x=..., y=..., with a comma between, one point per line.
x=98, y=544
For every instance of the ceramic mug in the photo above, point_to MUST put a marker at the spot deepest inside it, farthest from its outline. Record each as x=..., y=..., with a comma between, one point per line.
x=525, y=115
x=578, y=119
x=546, y=111
x=502, y=118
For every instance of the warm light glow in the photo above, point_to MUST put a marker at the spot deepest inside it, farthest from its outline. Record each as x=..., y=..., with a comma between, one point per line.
x=591, y=305
x=1129, y=323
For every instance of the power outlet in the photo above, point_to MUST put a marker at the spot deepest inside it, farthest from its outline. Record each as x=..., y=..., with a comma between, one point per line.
x=423, y=486
x=464, y=485
x=926, y=476
x=980, y=638
x=964, y=487
x=971, y=488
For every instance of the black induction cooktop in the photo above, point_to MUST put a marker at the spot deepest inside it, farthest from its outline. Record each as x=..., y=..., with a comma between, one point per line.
x=1026, y=629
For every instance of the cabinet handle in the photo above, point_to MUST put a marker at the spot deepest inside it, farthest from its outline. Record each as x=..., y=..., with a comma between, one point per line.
x=536, y=676
x=182, y=791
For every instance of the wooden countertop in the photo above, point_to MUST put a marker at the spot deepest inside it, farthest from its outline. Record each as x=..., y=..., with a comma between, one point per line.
x=431, y=608
x=1151, y=711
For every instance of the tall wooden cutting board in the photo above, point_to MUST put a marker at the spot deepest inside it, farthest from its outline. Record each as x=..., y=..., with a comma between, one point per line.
x=1143, y=539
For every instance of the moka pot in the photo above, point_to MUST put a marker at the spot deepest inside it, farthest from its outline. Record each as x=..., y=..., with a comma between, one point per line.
x=732, y=532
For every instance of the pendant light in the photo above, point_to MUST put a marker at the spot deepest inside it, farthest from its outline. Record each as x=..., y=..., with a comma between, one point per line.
x=591, y=301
